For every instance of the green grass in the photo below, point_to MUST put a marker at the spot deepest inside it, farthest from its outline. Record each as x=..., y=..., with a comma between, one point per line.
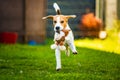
x=25, y=62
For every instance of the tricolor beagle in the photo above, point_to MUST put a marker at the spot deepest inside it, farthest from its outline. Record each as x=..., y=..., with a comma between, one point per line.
x=62, y=33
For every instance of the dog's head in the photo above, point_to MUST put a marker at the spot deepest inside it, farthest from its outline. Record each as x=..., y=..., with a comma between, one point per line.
x=60, y=22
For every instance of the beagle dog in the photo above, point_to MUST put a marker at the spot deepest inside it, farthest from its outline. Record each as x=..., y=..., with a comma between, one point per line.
x=61, y=27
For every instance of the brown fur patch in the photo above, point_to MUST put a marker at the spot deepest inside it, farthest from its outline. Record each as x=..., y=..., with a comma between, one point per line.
x=62, y=19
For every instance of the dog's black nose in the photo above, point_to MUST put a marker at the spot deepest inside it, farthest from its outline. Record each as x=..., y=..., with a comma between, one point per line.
x=57, y=27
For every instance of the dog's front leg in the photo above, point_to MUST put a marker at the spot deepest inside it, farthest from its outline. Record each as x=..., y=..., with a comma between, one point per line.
x=70, y=42
x=58, y=58
x=72, y=47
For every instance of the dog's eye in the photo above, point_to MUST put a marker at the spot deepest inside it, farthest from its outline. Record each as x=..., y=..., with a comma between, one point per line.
x=55, y=21
x=61, y=21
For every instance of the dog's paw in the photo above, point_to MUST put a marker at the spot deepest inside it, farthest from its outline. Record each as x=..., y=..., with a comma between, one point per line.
x=75, y=53
x=62, y=48
x=58, y=69
x=53, y=46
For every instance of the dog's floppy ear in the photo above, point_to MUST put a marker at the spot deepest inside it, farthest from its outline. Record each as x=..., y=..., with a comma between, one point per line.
x=70, y=16
x=48, y=17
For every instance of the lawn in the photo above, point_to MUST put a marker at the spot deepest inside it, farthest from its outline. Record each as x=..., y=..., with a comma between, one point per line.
x=109, y=45
x=25, y=62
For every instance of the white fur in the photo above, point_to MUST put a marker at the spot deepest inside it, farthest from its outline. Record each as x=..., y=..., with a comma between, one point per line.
x=55, y=5
x=58, y=58
x=53, y=46
x=62, y=48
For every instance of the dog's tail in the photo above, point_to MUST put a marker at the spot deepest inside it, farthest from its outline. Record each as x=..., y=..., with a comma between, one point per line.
x=57, y=8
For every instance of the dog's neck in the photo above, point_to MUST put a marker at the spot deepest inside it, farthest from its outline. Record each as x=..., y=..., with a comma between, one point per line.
x=67, y=27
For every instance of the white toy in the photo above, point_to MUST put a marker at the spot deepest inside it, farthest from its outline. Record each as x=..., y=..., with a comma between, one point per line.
x=59, y=39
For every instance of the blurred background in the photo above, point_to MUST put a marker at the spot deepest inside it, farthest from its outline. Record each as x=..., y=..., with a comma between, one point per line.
x=22, y=19
x=97, y=39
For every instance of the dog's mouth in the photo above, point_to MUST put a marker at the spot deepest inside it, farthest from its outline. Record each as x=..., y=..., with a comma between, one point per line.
x=58, y=31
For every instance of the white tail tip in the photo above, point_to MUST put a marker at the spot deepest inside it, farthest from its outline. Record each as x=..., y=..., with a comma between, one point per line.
x=55, y=5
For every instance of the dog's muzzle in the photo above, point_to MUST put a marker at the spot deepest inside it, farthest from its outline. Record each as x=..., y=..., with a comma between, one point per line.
x=57, y=28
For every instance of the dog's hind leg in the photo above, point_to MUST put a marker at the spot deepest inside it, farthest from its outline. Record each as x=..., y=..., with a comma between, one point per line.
x=67, y=50
x=58, y=58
